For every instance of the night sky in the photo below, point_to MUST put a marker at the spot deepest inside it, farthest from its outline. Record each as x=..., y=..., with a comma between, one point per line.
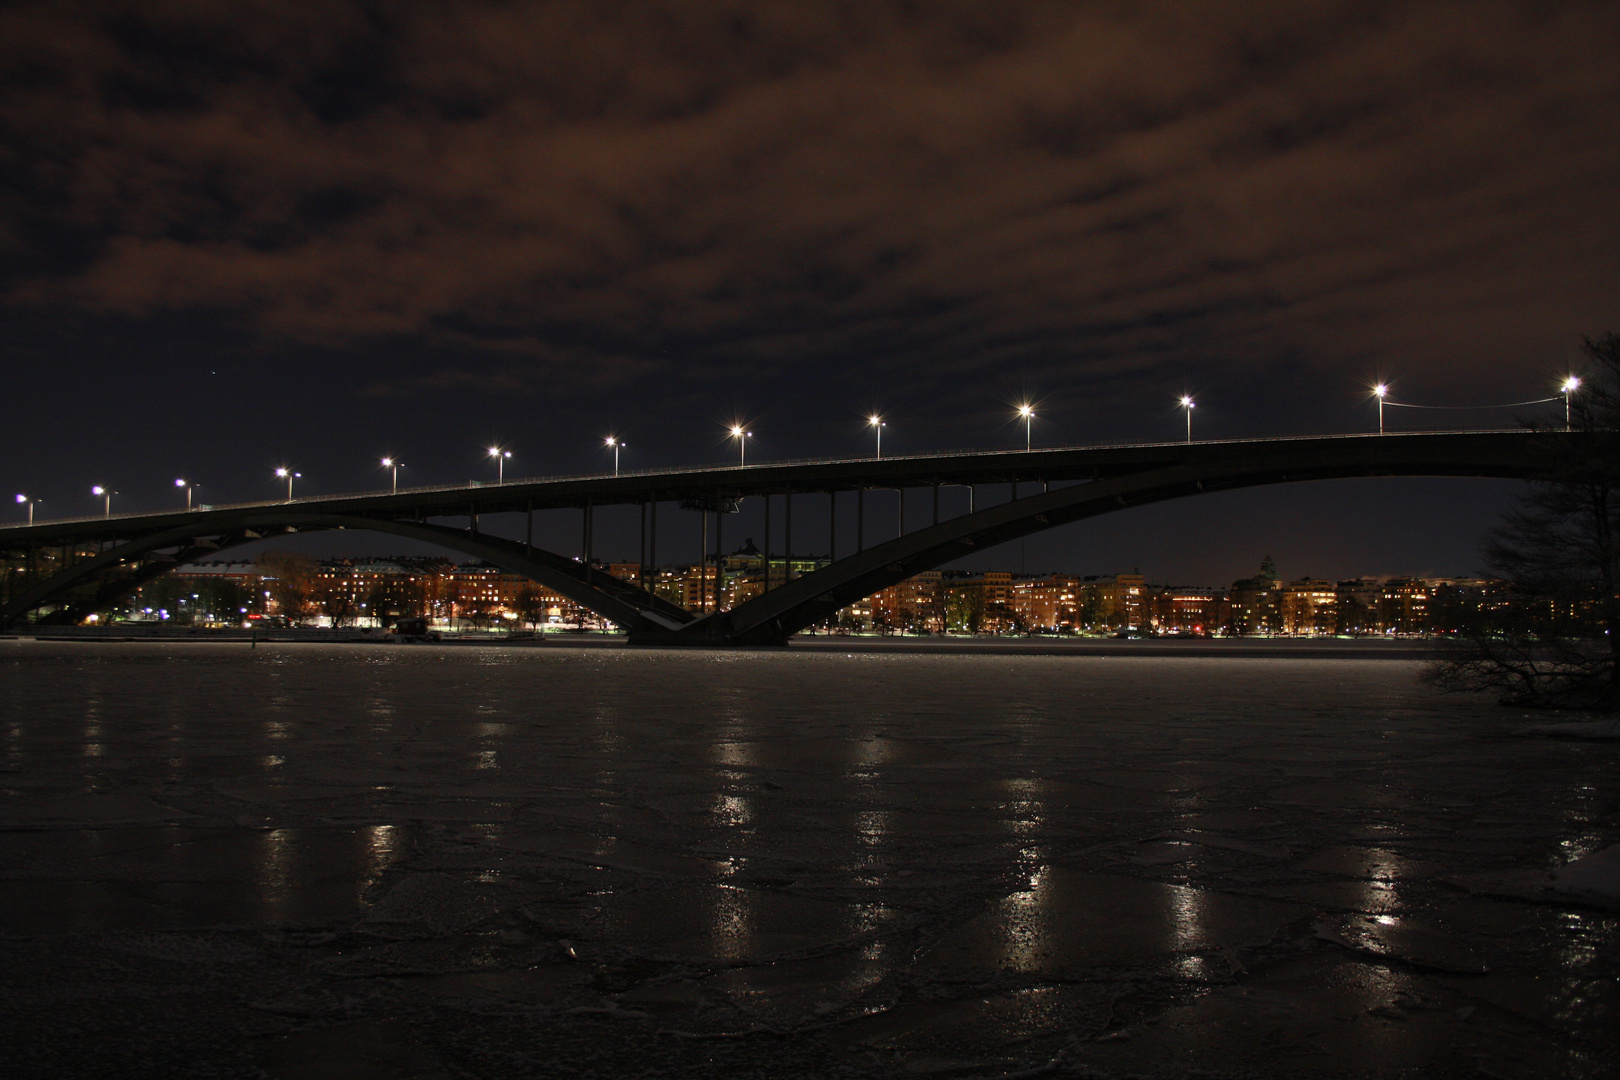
x=243, y=235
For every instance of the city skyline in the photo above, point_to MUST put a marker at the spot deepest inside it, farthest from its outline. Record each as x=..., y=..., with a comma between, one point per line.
x=380, y=591
x=326, y=238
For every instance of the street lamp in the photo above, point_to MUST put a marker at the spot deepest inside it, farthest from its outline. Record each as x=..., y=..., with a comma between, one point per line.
x=877, y=423
x=500, y=457
x=1187, y=403
x=188, y=486
x=614, y=442
x=1381, y=391
x=26, y=501
x=742, y=438
x=107, y=494
x=289, y=476
x=393, y=466
x=1028, y=413
x=1571, y=385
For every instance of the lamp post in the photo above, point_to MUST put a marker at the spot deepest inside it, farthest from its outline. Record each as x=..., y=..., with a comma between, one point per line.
x=500, y=457
x=616, y=445
x=1187, y=403
x=878, y=425
x=106, y=494
x=1571, y=385
x=1028, y=413
x=742, y=438
x=188, y=486
x=289, y=476
x=26, y=501
x=392, y=466
x=1380, y=392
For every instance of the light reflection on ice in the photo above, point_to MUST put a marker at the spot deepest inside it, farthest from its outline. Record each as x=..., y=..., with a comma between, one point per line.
x=1022, y=815
x=1027, y=922
x=731, y=811
x=382, y=848
x=1187, y=918
x=731, y=924
x=274, y=873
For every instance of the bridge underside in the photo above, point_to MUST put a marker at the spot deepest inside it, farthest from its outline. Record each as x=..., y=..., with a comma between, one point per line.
x=95, y=581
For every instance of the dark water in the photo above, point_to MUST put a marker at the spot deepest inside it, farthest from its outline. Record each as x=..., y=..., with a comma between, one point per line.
x=308, y=861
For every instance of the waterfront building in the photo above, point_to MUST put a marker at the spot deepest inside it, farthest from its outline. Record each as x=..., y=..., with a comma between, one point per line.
x=1189, y=611
x=1308, y=607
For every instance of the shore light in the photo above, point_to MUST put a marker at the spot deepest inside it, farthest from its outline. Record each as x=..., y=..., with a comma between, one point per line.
x=1571, y=385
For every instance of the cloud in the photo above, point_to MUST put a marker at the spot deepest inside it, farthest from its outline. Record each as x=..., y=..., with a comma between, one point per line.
x=925, y=194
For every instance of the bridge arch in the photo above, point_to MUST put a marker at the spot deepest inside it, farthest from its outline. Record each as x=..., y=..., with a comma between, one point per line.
x=771, y=618
x=126, y=566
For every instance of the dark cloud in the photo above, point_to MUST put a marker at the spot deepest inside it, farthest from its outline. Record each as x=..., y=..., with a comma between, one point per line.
x=1419, y=187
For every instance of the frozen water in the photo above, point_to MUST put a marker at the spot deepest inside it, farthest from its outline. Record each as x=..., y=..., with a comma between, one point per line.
x=311, y=860
x=1596, y=875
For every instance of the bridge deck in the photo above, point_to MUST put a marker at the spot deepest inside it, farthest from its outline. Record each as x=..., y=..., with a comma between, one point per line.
x=1051, y=465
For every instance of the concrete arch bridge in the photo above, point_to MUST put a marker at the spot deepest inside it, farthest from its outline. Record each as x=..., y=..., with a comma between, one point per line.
x=64, y=570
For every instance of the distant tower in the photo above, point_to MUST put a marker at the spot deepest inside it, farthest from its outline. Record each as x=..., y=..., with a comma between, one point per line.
x=1268, y=568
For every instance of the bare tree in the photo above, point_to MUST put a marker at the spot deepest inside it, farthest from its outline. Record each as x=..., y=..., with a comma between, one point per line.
x=1557, y=643
x=291, y=579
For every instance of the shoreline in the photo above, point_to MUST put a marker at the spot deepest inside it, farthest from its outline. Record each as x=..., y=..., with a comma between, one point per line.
x=1235, y=648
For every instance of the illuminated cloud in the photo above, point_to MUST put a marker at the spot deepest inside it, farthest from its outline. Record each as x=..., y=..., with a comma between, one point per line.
x=685, y=191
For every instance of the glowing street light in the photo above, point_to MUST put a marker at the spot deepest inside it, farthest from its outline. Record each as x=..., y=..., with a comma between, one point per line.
x=1381, y=391
x=742, y=438
x=392, y=465
x=500, y=457
x=289, y=476
x=1028, y=413
x=1188, y=403
x=26, y=501
x=1571, y=385
x=613, y=442
x=106, y=494
x=878, y=424
x=188, y=486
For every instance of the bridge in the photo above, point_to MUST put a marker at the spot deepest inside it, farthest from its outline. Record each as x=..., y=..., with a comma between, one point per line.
x=65, y=570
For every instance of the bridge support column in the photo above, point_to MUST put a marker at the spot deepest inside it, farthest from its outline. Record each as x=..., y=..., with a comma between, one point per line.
x=860, y=519
x=832, y=526
x=766, y=585
x=787, y=538
x=587, y=519
x=717, y=554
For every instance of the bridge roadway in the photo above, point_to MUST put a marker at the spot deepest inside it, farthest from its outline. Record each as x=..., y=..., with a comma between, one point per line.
x=102, y=558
